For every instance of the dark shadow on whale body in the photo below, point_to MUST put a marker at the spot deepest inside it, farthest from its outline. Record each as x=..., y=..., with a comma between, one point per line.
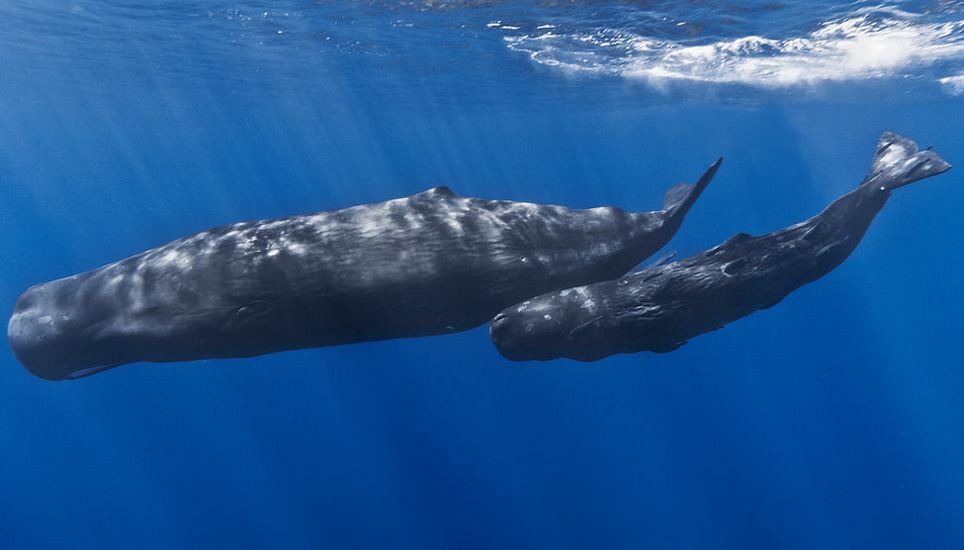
x=658, y=309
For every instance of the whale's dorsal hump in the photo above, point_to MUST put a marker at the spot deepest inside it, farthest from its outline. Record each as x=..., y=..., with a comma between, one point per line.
x=441, y=191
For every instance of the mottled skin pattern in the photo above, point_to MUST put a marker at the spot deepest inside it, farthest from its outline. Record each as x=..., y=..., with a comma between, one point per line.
x=660, y=308
x=432, y=263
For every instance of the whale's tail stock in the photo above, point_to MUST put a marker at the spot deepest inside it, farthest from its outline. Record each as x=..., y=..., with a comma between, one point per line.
x=679, y=198
x=899, y=162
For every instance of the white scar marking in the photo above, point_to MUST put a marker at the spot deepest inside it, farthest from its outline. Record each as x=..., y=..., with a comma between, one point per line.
x=452, y=221
x=894, y=153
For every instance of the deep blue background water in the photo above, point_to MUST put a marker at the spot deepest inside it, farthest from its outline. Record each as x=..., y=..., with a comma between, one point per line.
x=834, y=420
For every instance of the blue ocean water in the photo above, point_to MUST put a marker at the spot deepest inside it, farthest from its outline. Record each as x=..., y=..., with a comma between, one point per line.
x=834, y=420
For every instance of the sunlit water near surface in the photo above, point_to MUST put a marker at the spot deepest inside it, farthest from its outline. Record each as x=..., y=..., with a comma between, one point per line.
x=834, y=420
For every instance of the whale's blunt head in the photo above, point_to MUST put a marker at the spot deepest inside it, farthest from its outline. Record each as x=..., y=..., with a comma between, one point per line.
x=534, y=330
x=50, y=338
x=509, y=334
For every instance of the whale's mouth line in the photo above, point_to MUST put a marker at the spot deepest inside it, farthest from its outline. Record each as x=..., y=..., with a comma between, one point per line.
x=82, y=373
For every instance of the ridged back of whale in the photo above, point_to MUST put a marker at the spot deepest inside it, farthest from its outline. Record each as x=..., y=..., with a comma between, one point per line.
x=426, y=264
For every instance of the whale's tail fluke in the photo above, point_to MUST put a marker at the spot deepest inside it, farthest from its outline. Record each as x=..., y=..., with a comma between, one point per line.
x=679, y=198
x=898, y=162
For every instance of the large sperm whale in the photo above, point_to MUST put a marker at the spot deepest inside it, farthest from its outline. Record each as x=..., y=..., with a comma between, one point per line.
x=660, y=308
x=432, y=263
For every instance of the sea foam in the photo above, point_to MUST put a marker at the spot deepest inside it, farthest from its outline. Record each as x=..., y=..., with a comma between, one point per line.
x=870, y=43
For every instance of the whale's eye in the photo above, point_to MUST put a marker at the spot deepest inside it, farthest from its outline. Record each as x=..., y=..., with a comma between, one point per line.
x=734, y=267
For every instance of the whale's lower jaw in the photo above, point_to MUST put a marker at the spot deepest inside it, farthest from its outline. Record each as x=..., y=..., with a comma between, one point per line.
x=56, y=357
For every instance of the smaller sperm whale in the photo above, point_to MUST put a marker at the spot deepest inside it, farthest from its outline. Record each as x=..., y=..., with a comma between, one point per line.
x=658, y=309
x=432, y=263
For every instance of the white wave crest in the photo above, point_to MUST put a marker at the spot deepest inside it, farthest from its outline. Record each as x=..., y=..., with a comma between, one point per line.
x=867, y=44
x=953, y=84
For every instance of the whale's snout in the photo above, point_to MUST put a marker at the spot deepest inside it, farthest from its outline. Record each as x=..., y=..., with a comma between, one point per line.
x=48, y=340
x=35, y=341
x=502, y=334
x=523, y=336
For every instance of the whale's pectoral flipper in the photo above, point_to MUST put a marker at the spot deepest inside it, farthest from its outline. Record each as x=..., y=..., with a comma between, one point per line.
x=665, y=258
x=667, y=348
x=898, y=162
x=679, y=198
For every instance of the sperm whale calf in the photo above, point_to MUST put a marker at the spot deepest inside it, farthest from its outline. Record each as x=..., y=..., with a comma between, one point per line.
x=660, y=308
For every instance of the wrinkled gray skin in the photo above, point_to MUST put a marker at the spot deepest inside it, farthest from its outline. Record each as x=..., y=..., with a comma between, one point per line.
x=660, y=308
x=432, y=263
